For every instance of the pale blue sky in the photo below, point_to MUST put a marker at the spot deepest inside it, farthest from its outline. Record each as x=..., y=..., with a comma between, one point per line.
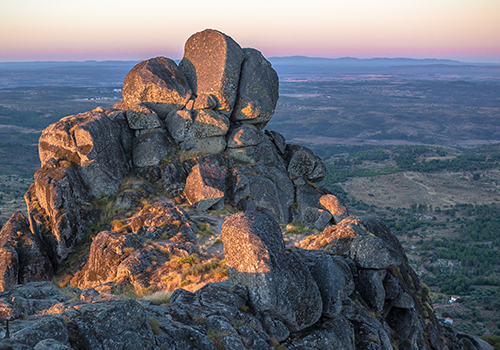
x=110, y=29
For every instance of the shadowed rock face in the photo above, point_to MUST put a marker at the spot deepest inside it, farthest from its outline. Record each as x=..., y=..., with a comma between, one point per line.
x=212, y=64
x=301, y=161
x=258, y=90
x=24, y=259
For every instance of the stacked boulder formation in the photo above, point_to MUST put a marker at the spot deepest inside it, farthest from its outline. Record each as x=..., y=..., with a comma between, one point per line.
x=195, y=132
x=196, y=128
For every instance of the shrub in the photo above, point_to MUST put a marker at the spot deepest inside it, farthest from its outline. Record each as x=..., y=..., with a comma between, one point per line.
x=205, y=229
x=189, y=259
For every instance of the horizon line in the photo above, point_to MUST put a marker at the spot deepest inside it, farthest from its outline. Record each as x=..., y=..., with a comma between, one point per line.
x=273, y=57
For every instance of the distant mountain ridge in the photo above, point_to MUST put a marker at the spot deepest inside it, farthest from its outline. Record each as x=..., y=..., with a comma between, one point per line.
x=112, y=73
x=364, y=62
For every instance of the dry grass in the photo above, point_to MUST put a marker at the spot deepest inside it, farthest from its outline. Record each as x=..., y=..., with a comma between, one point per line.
x=436, y=189
x=159, y=298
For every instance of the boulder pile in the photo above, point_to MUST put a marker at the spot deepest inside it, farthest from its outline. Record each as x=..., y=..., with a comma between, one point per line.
x=192, y=137
x=195, y=128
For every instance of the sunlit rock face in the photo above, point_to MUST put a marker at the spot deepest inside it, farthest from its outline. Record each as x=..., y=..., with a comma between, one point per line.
x=206, y=184
x=93, y=141
x=334, y=207
x=58, y=209
x=212, y=64
x=159, y=84
x=278, y=285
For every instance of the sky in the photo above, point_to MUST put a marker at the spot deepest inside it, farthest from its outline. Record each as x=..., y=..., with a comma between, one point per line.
x=69, y=30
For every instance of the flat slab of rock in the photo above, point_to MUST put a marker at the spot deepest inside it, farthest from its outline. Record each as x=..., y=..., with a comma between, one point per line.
x=203, y=146
x=141, y=117
x=208, y=123
x=212, y=63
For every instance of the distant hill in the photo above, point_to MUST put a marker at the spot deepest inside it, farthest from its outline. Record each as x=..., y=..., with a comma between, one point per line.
x=112, y=73
x=318, y=65
x=359, y=62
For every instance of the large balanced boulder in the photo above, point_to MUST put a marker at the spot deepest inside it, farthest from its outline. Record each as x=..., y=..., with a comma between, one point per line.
x=258, y=90
x=159, y=84
x=280, y=286
x=212, y=64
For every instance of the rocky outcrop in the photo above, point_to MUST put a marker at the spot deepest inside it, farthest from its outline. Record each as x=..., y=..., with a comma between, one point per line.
x=198, y=132
x=334, y=207
x=205, y=186
x=150, y=147
x=163, y=221
x=193, y=134
x=108, y=250
x=302, y=162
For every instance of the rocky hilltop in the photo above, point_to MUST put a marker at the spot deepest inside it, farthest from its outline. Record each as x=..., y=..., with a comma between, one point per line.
x=136, y=200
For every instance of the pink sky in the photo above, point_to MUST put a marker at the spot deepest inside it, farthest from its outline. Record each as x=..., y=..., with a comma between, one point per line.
x=34, y=30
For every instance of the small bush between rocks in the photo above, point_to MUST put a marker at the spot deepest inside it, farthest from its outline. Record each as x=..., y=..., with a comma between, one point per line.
x=216, y=338
x=205, y=229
